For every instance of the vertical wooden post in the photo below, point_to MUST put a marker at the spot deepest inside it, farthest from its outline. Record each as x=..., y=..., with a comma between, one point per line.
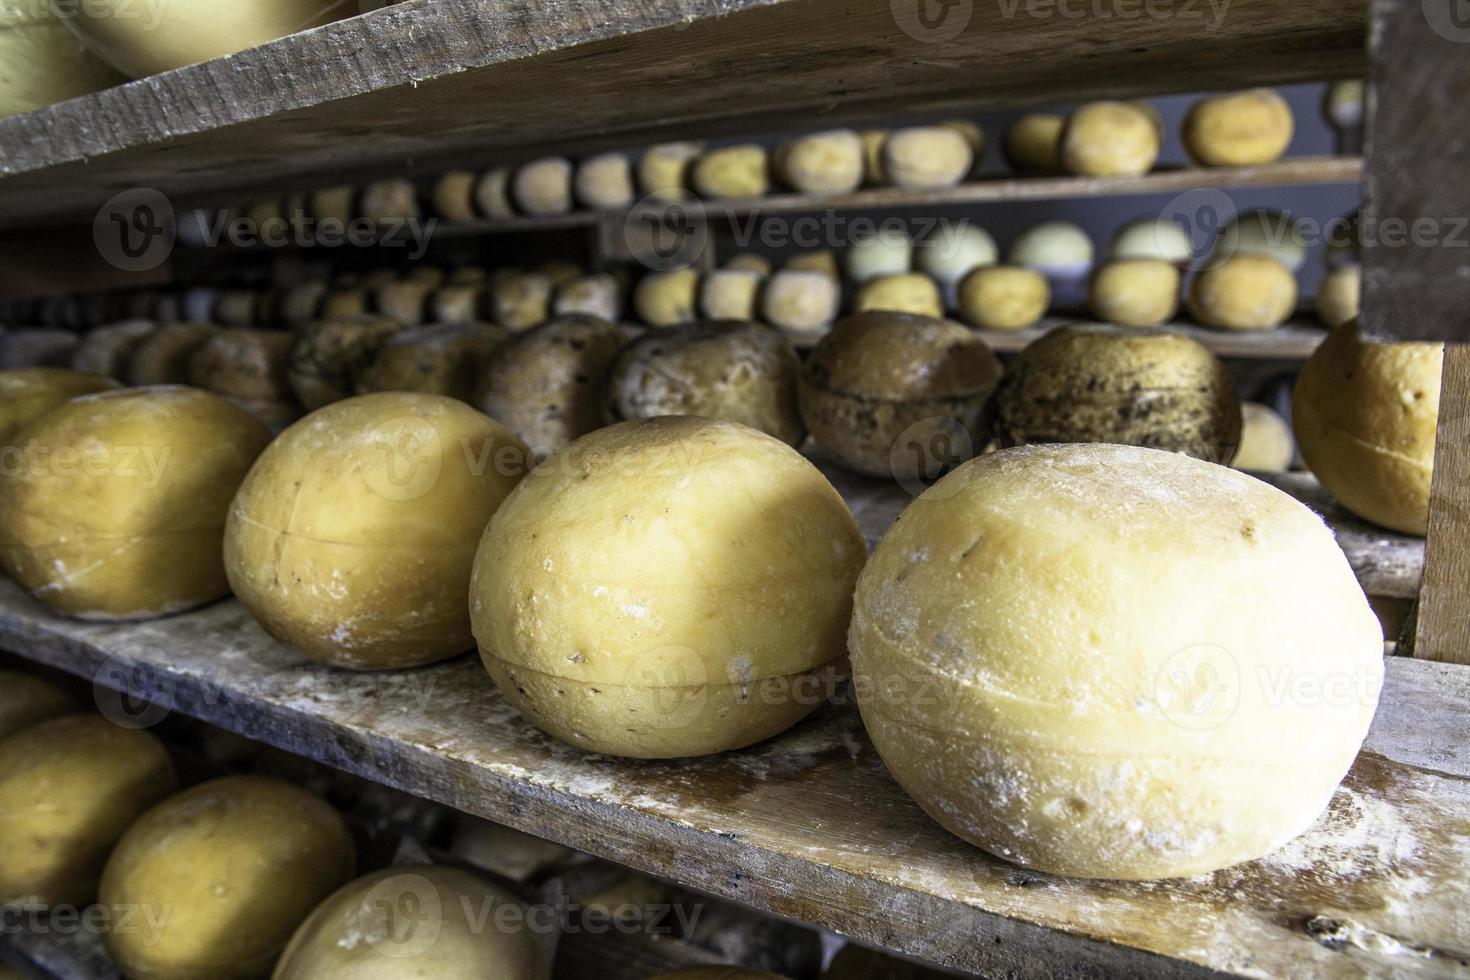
x=1444, y=602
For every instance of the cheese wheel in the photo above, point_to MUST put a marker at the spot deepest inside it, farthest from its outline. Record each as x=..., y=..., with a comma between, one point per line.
x=522, y=300
x=239, y=862
x=250, y=368
x=731, y=172
x=44, y=63
x=605, y=181
x=1244, y=292
x=114, y=507
x=328, y=355
x=899, y=396
x=1110, y=139
x=1367, y=416
x=463, y=929
x=1338, y=295
x=582, y=603
x=544, y=186
x=1238, y=130
x=26, y=394
x=443, y=359
x=453, y=196
x=1135, y=387
x=26, y=700
x=729, y=294
x=69, y=787
x=909, y=292
x=1033, y=144
x=599, y=295
x=927, y=157
x=1266, y=443
x=802, y=303
x=662, y=299
x=1003, y=297
x=663, y=170
x=1135, y=292
x=830, y=162
x=1115, y=626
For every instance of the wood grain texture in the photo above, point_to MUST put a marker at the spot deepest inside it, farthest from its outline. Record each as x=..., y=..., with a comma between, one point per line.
x=810, y=826
x=430, y=84
x=1416, y=213
x=1444, y=606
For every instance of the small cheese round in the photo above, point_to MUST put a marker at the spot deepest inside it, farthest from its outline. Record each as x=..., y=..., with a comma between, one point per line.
x=26, y=700
x=1244, y=292
x=729, y=294
x=1059, y=250
x=1003, y=297
x=1135, y=292
x=250, y=368
x=492, y=194
x=885, y=252
x=442, y=359
x=952, y=252
x=544, y=186
x=239, y=862
x=522, y=300
x=663, y=170
x=830, y=162
x=350, y=541
x=431, y=922
x=582, y=602
x=389, y=202
x=1238, y=130
x=731, y=172
x=803, y=303
x=453, y=196
x=108, y=350
x=899, y=396
x=1366, y=415
x=908, y=292
x=548, y=385
x=329, y=354
x=822, y=260
x=404, y=300
x=923, y=157
x=1262, y=232
x=739, y=372
x=1266, y=443
x=115, y=507
x=1098, y=633
x=1109, y=139
x=662, y=299
x=605, y=181
x=1338, y=295
x=1342, y=103
x=26, y=394
x=1033, y=144
x=69, y=787
x=1140, y=388
x=1152, y=238
x=599, y=295
x=164, y=356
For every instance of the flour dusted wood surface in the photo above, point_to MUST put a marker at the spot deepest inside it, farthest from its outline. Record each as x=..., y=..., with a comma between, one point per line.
x=431, y=83
x=810, y=826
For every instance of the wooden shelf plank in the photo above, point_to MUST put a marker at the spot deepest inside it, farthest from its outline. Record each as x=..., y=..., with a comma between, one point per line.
x=810, y=826
x=430, y=83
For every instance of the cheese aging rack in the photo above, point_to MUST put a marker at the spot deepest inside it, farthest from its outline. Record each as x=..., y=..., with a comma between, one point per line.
x=809, y=826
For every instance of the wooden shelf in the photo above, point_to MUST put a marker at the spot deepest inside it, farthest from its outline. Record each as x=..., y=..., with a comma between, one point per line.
x=431, y=83
x=810, y=826
x=1293, y=172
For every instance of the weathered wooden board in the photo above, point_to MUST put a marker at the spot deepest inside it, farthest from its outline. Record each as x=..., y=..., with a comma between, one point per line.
x=1416, y=208
x=1444, y=608
x=432, y=83
x=810, y=826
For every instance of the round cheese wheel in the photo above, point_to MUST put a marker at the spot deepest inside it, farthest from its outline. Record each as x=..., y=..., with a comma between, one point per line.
x=43, y=62
x=544, y=186
x=924, y=157
x=1074, y=658
x=26, y=394
x=801, y=303
x=1003, y=297
x=667, y=587
x=1338, y=295
x=599, y=295
x=1110, y=139
x=662, y=299
x=1266, y=444
x=895, y=395
x=731, y=172
x=1033, y=144
x=1244, y=292
x=351, y=539
x=252, y=369
x=116, y=505
x=165, y=356
x=730, y=294
x=239, y=862
x=830, y=162
x=739, y=372
x=1135, y=292
x=1135, y=387
x=1367, y=415
x=908, y=292
x=605, y=181
x=69, y=787
x=431, y=922
x=328, y=354
x=1238, y=130
x=663, y=170
x=443, y=359
x=26, y=700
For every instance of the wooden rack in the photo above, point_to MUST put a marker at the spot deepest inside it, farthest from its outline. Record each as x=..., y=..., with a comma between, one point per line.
x=809, y=825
